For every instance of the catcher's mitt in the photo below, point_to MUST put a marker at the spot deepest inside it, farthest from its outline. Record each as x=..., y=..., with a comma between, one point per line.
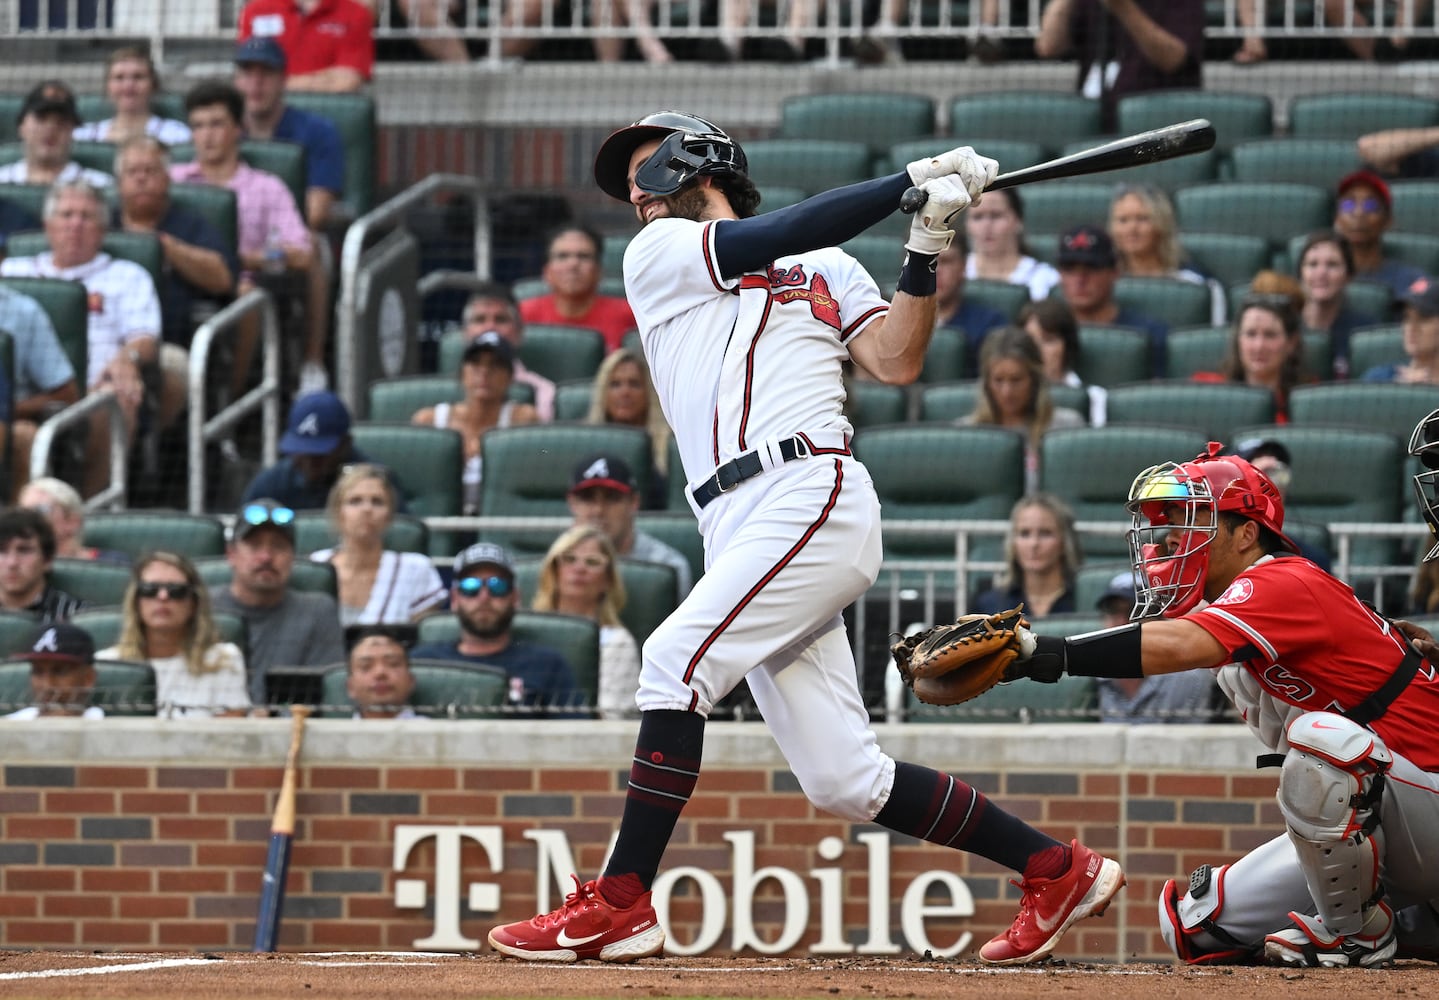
x=948, y=664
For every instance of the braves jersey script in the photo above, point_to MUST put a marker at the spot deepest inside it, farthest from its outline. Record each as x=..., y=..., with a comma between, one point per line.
x=770, y=343
x=1310, y=642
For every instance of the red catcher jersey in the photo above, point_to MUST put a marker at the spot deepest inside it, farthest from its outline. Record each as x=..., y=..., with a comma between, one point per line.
x=1312, y=643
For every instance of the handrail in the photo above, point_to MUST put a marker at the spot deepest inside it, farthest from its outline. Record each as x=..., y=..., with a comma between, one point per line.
x=77, y=413
x=264, y=397
x=352, y=251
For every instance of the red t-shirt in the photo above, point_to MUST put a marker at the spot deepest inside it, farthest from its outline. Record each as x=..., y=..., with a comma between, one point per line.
x=335, y=33
x=609, y=315
x=1311, y=643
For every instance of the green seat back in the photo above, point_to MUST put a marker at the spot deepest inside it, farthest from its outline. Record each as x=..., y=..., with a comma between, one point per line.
x=1168, y=175
x=576, y=639
x=406, y=533
x=425, y=460
x=30, y=197
x=676, y=486
x=68, y=306
x=1092, y=581
x=1050, y=117
x=773, y=196
x=95, y=155
x=651, y=595
x=443, y=690
x=1368, y=298
x=1419, y=249
x=94, y=581
x=1301, y=161
x=1213, y=410
x=1235, y=116
x=1352, y=114
x=1415, y=202
x=869, y=404
x=1055, y=206
x=14, y=684
x=1073, y=699
x=1274, y=211
x=1004, y=296
x=16, y=631
x=1390, y=407
x=946, y=402
x=1195, y=349
x=121, y=688
x=945, y=358
x=138, y=532
x=679, y=530
x=881, y=256
x=559, y=353
x=396, y=400
x=307, y=576
x=94, y=107
x=1371, y=346
x=1172, y=301
x=1230, y=258
x=10, y=105
x=1113, y=355
x=810, y=164
x=1071, y=397
x=140, y=248
x=286, y=160
x=883, y=119
x=354, y=117
x=1012, y=154
x=572, y=399
x=216, y=205
x=1093, y=467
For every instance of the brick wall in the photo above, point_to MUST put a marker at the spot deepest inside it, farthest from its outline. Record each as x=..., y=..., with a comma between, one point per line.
x=136, y=834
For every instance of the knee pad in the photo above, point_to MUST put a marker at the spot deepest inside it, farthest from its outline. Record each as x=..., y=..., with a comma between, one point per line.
x=1329, y=792
x=1190, y=923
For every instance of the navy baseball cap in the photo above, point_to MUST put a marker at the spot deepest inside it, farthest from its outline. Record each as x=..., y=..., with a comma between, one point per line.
x=319, y=422
x=1423, y=296
x=60, y=641
x=260, y=52
x=608, y=472
x=1086, y=246
x=494, y=342
x=52, y=97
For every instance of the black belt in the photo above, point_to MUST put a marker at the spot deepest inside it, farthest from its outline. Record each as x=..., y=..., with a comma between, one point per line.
x=737, y=470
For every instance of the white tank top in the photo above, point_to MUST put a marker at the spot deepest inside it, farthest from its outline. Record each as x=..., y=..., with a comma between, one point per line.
x=472, y=474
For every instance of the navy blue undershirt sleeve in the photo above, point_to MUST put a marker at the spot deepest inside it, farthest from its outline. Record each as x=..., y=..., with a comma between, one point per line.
x=825, y=220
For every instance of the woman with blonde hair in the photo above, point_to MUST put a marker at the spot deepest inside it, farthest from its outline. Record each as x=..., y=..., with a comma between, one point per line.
x=1145, y=232
x=1266, y=345
x=581, y=576
x=131, y=83
x=168, y=624
x=1041, y=560
x=625, y=394
x=377, y=586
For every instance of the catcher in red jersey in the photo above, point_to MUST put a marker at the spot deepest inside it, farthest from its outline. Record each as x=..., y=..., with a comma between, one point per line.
x=1345, y=702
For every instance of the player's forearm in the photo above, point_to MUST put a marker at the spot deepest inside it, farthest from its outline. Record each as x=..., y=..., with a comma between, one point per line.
x=825, y=220
x=1139, y=649
x=892, y=348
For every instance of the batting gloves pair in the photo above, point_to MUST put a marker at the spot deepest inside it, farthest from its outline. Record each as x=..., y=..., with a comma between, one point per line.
x=951, y=181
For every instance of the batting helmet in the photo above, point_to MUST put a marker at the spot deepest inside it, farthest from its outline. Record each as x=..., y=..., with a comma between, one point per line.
x=1171, y=581
x=1424, y=445
x=692, y=148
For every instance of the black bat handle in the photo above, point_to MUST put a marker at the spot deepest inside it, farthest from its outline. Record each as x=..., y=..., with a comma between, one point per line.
x=913, y=200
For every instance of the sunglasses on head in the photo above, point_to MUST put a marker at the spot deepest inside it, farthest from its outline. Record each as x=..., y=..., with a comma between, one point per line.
x=174, y=591
x=258, y=513
x=498, y=586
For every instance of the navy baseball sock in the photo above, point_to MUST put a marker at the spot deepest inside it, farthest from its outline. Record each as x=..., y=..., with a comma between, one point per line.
x=662, y=778
x=943, y=810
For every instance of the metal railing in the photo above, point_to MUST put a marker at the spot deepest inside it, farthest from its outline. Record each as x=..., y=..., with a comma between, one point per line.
x=264, y=397
x=78, y=415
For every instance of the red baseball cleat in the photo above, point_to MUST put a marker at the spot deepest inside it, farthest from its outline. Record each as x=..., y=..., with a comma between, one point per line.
x=1050, y=905
x=584, y=927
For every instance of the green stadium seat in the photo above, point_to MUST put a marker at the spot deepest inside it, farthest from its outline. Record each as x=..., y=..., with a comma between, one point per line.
x=121, y=688
x=1390, y=407
x=94, y=107
x=443, y=690
x=1093, y=467
x=882, y=118
x=15, y=682
x=1170, y=175
x=29, y=197
x=140, y=248
x=1172, y=301
x=773, y=196
x=1071, y=397
x=1296, y=160
x=809, y=164
x=1004, y=296
x=870, y=404
x=881, y=256
x=1273, y=211
x=946, y=356
x=651, y=595
x=946, y=402
x=1230, y=258
x=1213, y=410
x=1318, y=360
x=1416, y=205
x=679, y=530
x=68, y=306
x=426, y=461
x=572, y=399
x=136, y=532
x=1012, y=154
x=406, y=533
x=676, y=487
x=10, y=105
x=1352, y=114
x=286, y=160
x=1368, y=298
x=1092, y=581
x=576, y=639
x=215, y=204
x=94, y=581
x=1051, y=117
x=354, y=117
x=15, y=632
x=1072, y=699
x=1236, y=116
x=1194, y=349
x=1418, y=249
x=397, y=399
x=1113, y=355
x=1372, y=346
x=1054, y=206
x=562, y=353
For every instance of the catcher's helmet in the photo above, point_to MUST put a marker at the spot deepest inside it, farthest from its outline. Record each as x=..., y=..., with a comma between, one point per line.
x=1424, y=445
x=692, y=148
x=1171, y=583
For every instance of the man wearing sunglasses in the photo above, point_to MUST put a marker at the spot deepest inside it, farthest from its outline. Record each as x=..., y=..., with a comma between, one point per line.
x=286, y=627
x=1363, y=211
x=484, y=598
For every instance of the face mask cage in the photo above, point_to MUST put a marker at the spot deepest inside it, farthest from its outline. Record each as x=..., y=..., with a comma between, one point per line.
x=680, y=158
x=1168, y=504
x=1424, y=445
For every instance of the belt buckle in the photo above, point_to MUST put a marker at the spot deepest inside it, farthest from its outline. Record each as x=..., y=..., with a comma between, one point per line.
x=719, y=478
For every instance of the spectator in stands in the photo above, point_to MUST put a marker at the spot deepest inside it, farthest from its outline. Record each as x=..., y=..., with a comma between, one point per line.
x=316, y=447
x=1189, y=696
x=168, y=624
x=46, y=125
x=484, y=598
x=1252, y=14
x=638, y=14
x=1265, y=346
x=1041, y=560
x=1050, y=324
x=1016, y=395
x=1125, y=46
x=329, y=44
x=486, y=372
x=580, y=576
x=43, y=379
x=572, y=273
x=62, y=674
x=376, y=585
x=199, y=266
x=1146, y=241
x=1363, y=212
x=1272, y=458
x=284, y=627
x=995, y=231
x=1088, y=269
x=273, y=238
x=131, y=82
x=951, y=308
x=625, y=395
x=260, y=77
x=378, y=678
x=492, y=307
x=124, y=329
x=1402, y=17
x=63, y=508
x=14, y=218
x=1421, y=338
x=1402, y=152
x=27, y=549
x=1326, y=266
x=603, y=494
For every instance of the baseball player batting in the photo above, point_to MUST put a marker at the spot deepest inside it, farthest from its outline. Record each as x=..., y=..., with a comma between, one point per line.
x=1345, y=701
x=746, y=321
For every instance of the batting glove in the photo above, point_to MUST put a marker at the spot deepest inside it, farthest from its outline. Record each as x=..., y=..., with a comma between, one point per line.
x=974, y=171
x=933, y=225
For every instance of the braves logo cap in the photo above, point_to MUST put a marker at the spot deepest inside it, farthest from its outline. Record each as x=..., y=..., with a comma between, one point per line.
x=60, y=641
x=1423, y=296
x=318, y=423
x=604, y=471
x=1087, y=246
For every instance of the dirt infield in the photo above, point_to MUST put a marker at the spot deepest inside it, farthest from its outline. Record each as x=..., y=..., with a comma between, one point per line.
x=439, y=977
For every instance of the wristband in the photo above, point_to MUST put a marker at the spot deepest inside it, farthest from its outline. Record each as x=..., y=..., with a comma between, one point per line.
x=916, y=277
x=1111, y=652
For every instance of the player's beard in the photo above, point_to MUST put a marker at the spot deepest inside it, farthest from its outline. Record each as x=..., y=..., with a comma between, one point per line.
x=688, y=204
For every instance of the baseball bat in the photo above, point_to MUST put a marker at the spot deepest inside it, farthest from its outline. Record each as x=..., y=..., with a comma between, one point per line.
x=282, y=832
x=1158, y=144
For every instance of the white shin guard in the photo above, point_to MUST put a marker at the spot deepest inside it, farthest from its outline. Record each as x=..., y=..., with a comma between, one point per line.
x=1329, y=792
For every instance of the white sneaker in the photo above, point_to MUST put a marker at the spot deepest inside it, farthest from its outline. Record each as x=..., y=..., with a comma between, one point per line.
x=313, y=378
x=1311, y=945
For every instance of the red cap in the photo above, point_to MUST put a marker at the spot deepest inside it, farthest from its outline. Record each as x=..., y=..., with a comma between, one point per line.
x=1373, y=180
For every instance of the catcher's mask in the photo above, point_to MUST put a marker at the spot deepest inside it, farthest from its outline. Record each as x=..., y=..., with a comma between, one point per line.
x=1424, y=445
x=1175, y=515
x=691, y=147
